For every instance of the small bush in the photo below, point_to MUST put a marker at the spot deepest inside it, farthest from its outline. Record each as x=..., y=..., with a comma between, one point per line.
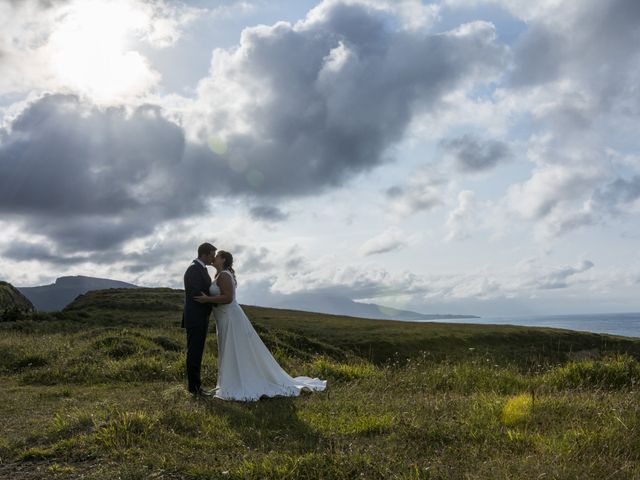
x=37, y=453
x=618, y=372
x=327, y=369
x=123, y=429
x=117, y=347
x=13, y=314
x=58, y=470
x=71, y=423
x=17, y=361
x=30, y=361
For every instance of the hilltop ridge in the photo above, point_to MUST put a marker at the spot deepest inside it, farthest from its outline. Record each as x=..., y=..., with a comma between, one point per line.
x=54, y=297
x=58, y=295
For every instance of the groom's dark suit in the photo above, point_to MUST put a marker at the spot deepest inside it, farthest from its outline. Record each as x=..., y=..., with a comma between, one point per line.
x=195, y=319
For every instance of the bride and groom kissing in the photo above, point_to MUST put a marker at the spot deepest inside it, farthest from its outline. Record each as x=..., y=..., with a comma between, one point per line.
x=247, y=370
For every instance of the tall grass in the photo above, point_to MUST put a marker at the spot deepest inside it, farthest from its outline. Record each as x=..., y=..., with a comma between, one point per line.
x=98, y=392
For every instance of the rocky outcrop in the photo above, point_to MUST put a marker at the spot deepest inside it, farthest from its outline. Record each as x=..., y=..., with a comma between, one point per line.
x=13, y=304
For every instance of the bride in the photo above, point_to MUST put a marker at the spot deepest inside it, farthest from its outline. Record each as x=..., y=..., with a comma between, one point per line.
x=246, y=368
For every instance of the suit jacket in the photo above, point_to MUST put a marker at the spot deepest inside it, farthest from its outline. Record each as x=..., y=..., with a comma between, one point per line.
x=196, y=280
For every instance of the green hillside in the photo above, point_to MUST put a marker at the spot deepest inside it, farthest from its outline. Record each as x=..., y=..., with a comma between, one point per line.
x=97, y=391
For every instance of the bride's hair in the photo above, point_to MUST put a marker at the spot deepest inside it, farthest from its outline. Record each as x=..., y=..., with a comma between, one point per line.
x=228, y=263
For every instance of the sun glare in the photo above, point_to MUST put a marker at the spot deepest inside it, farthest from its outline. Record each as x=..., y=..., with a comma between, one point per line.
x=89, y=51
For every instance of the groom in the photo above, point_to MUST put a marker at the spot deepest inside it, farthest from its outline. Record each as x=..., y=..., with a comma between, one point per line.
x=195, y=317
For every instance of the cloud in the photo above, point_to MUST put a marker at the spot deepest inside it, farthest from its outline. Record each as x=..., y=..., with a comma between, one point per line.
x=268, y=213
x=589, y=33
x=618, y=195
x=464, y=218
x=558, y=277
x=423, y=192
x=90, y=178
x=578, y=116
x=304, y=107
x=572, y=186
x=391, y=239
x=411, y=14
x=19, y=251
x=529, y=279
x=104, y=175
x=549, y=188
x=472, y=154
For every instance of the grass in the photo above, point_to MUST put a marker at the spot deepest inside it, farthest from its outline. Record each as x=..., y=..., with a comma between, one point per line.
x=97, y=392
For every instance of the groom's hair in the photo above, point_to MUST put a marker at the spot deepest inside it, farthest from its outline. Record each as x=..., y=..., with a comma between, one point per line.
x=205, y=249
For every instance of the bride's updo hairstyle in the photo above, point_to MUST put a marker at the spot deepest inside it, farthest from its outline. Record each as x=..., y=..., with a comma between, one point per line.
x=228, y=263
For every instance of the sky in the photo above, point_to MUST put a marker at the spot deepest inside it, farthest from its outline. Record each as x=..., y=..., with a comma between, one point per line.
x=461, y=156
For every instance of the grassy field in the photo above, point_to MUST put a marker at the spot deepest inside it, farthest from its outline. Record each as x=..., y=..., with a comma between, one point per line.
x=97, y=391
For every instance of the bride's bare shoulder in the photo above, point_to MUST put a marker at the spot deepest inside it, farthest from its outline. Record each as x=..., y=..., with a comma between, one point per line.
x=226, y=279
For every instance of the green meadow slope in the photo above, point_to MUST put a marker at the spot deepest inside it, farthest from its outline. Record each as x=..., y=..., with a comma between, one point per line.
x=96, y=391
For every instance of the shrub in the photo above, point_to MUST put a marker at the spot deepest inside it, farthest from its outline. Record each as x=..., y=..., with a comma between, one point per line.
x=12, y=314
x=123, y=429
x=622, y=371
x=327, y=369
x=15, y=361
x=117, y=347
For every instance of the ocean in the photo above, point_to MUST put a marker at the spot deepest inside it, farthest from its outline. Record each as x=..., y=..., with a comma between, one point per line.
x=626, y=324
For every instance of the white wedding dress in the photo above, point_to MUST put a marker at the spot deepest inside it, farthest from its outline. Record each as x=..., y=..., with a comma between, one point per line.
x=246, y=368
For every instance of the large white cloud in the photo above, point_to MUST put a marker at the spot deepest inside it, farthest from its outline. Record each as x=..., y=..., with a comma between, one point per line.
x=290, y=111
x=575, y=76
x=296, y=108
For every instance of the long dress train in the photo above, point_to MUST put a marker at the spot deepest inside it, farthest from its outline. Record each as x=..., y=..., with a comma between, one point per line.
x=246, y=367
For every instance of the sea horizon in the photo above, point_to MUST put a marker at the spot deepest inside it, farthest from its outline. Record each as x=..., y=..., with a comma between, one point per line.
x=622, y=323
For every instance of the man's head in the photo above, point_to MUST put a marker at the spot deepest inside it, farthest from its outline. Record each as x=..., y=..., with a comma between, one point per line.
x=206, y=253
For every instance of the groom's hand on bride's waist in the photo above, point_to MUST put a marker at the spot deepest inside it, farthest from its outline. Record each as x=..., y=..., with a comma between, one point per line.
x=204, y=298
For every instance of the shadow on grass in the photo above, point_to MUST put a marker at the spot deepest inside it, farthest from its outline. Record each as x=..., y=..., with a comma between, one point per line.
x=268, y=423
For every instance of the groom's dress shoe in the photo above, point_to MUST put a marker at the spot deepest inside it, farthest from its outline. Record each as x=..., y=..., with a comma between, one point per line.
x=201, y=393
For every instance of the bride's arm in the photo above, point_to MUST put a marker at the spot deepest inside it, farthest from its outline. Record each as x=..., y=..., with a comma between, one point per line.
x=226, y=292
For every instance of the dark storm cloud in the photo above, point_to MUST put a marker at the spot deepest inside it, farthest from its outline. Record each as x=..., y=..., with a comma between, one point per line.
x=67, y=158
x=268, y=213
x=472, y=154
x=90, y=178
x=20, y=251
x=331, y=94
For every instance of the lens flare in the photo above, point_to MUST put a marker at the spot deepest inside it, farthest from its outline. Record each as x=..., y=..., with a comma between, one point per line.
x=517, y=409
x=218, y=145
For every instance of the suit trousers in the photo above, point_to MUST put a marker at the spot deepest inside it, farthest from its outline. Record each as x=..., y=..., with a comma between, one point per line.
x=196, y=337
